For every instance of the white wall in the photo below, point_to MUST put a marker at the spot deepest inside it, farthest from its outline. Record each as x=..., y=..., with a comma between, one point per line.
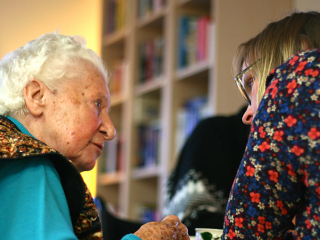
x=23, y=20
x=307, y=5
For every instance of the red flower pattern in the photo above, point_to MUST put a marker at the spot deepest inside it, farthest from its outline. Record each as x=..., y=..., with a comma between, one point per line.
x=250, y=171
x=297, y=150
x=291, y=86
x=313, y=133
x=278, y=135
x=238, y=222
x=264, y=146
x=290, y=121
x=273, y=175
x=255, y=197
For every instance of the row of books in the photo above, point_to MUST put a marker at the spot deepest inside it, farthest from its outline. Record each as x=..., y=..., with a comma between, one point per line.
x=112, y=160
x=148, y=149
x=117, y=76
x=188, y=116
x=116, y=15
x=148, y=214
x=192, y=39
x=151, y=54
x=148, y=145
x=147, y=7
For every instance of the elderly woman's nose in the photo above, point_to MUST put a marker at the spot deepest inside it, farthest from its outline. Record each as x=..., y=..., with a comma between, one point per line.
x=107, y=128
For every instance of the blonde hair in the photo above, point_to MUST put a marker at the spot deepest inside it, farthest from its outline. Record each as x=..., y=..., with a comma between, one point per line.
x=278, y=42
x=51, y=58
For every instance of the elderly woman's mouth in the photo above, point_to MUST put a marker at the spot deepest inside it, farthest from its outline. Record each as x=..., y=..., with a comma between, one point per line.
x=99, y=145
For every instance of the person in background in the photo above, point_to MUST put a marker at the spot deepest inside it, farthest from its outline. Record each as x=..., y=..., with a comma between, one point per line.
x=279, y=174
x=54, y=104
x=197, y=190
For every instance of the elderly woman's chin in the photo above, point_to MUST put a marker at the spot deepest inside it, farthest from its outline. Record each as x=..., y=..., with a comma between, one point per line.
x=85, y=161
x=85, y=165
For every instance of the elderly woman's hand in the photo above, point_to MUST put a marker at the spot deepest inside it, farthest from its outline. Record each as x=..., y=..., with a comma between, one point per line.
x=169, y=228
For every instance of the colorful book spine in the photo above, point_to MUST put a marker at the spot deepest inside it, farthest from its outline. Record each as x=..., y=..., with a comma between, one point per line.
x=182, y=42
x=148, y=214
x=114, y=155
x=192, y=40
x=158, y=57
x=148, y=147
x=148, y=7
x=151, y=59
x=118, y=73
x=188, y=117
x=116, y=15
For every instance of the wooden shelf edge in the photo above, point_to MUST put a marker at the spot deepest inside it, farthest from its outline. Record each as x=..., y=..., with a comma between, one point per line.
x=105, y=179
x=115, y=37
x=182, y=3
x=192, y=70
x=149, y=18
x=149, y=86
x=145, y=172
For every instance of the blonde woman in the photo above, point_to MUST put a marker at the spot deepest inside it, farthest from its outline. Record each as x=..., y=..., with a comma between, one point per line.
x=279, y=175
x=273, y=46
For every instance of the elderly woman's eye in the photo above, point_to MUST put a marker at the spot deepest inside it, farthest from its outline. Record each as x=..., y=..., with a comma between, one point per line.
x=98, y=104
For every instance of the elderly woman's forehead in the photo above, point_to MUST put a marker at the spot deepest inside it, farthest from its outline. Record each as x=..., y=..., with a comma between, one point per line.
x=89, y=67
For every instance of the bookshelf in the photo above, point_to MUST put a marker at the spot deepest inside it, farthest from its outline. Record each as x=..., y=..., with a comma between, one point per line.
x=170, y=65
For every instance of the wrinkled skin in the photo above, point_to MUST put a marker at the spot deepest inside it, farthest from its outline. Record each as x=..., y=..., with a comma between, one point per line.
x=169, y=228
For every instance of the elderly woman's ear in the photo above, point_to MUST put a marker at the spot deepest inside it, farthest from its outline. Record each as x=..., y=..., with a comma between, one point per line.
x=34, y=94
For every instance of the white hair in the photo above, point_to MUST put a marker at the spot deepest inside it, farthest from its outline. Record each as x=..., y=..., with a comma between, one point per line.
x=51, y=58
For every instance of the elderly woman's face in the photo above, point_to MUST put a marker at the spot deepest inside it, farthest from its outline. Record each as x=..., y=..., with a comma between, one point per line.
x=78, y=122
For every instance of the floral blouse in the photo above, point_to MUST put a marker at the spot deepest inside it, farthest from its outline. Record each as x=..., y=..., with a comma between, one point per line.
x=279, y=176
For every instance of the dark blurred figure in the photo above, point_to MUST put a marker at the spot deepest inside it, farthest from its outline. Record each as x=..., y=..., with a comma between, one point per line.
x=198, y=188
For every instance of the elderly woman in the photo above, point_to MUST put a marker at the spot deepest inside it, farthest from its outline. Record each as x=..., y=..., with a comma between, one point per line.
x=54, y=103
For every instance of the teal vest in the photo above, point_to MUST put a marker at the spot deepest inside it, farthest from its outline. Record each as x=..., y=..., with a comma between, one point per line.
x=15, y=145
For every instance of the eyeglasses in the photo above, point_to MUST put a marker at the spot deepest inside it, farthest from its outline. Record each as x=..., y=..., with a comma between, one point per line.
x=238, y=80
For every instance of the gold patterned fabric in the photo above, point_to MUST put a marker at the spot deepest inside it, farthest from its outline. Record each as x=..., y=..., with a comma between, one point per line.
x=15, y=145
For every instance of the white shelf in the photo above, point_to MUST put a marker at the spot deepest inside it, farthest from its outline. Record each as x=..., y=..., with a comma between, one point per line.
x=152, y=17
x=192, y=70
x=116, y=37
x=182, y=3
x=105, y=179
x=149, y=85
x=145, y=172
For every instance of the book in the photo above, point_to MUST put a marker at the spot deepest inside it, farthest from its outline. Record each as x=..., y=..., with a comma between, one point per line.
x=148, y=151
x=116, y=17
x=148, y=213
x=148, y=7
x=182, y=45
x=111, y=155
x=114, y=154
x=202, y=37
x=151, y=59
x=118, y=72
x=158, y=66
x=188, y=116
x=192, y=39
x=146, y=109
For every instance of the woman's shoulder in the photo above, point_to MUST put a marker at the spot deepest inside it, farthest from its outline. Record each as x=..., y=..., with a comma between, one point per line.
x=27, y=167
